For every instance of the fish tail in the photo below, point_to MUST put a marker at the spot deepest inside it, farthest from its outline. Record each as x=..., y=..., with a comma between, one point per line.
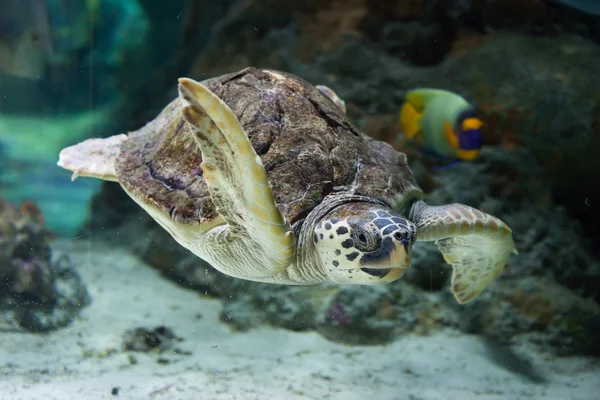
x=410, y=120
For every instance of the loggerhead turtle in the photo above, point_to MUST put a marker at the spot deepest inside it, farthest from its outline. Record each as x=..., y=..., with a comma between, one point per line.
x=262, y=175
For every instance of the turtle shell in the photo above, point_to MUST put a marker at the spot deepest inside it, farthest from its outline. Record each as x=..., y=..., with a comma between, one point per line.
x=307, y=145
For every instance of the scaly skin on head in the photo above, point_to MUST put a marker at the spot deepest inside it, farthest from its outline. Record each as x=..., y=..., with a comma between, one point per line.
x=364, y=243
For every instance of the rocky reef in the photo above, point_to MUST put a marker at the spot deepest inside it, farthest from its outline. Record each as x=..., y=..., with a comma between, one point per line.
x=37, y=292
x=527, y=66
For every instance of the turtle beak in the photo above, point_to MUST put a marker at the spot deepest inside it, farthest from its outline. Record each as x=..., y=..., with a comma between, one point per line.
x=394, y=254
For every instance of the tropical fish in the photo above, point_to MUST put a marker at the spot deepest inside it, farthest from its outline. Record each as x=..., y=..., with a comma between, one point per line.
x=442, y=124
x=25, y=38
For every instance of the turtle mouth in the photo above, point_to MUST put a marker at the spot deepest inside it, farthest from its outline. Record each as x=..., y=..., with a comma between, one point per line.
x=378, y=272
x=390, y=255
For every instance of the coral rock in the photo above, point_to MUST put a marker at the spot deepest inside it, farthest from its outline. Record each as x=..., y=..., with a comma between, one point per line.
x=37, y=293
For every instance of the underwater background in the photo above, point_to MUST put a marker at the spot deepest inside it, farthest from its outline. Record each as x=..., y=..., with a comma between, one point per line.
x=98, y=301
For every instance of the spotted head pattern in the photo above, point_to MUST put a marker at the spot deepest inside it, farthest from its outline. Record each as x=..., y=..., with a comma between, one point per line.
x=364, y=243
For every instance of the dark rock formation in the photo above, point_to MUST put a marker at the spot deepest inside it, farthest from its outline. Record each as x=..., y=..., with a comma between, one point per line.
x=37, y=293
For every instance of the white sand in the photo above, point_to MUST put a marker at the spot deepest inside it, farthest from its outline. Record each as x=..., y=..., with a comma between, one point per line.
x=261, y=364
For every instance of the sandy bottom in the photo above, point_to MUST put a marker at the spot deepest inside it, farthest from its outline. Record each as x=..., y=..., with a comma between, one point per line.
x=85, y=360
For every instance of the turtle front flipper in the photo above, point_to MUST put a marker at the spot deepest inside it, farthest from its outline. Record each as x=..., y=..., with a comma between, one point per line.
x=476, y=244
x=237, y=182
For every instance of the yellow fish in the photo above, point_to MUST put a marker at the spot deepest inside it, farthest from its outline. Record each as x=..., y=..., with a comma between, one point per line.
x=442, y=123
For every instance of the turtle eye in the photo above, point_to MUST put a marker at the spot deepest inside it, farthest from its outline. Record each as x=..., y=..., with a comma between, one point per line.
x=365, y=240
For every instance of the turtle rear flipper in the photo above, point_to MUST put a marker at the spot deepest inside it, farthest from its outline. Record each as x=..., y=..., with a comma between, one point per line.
x=93, y=158
x=476, y=244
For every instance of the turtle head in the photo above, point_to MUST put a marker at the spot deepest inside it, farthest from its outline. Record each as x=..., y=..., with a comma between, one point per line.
x=364, y=243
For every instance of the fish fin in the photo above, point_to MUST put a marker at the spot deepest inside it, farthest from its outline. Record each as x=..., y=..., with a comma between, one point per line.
x=410, y=119
x=417, y=99
x=420, y=97
x=467, y=155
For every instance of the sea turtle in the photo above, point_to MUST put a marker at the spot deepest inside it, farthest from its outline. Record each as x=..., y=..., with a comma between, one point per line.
x=263, y=176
